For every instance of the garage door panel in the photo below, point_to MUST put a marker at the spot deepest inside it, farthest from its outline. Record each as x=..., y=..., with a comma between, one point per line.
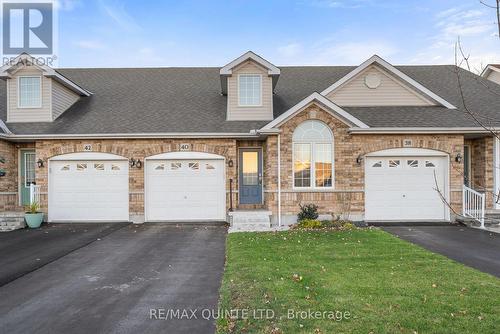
x=185, y=190
x=99, y=192
x=405, y=192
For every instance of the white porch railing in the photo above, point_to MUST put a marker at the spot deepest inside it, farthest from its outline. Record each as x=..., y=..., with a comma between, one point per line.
x=34, y=194
x=474, y=204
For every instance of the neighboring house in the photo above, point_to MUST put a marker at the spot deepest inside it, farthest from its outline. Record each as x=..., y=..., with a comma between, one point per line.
x=492, y=72
x=374, y=142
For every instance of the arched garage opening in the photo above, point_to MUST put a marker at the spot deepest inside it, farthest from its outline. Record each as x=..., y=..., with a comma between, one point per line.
x=88, y=187
x=185, y=186
x=407, y=184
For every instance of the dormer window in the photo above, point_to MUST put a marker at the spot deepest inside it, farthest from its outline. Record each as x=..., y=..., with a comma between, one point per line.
x=30, y=92
x=250, y=90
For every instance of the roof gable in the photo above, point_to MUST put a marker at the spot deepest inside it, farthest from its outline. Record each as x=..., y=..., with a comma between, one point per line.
x=376, y=87
x=24, y=60
x=328, y=105
x=391, y=70
x=227, y=70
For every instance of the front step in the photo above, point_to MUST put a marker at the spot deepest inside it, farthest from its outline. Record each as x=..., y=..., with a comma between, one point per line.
x=10, y=221
x=250, y=221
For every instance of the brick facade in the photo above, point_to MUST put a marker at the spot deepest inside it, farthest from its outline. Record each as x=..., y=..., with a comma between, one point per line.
x=346, y=198
x=348, y=194
x=137, y=149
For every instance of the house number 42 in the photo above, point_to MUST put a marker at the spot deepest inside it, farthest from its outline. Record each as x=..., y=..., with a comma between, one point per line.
x=87, y=147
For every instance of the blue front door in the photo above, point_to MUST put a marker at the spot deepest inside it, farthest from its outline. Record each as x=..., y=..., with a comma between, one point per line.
x=250, y=167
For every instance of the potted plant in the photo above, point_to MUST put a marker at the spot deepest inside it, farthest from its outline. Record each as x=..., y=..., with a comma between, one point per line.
x=33, y=217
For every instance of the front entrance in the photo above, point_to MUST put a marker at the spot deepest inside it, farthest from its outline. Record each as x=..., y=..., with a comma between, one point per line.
x=250, y=170
x=27, y=176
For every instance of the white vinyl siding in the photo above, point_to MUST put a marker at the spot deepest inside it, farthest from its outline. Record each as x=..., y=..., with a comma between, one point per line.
x=17, y=114
x=250, y=90
x=30, y=90
x=390, y=92
x=494, y=76
x=62, y=99
x=264, y=111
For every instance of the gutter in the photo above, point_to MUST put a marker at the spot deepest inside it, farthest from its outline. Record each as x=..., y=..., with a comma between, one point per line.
x=10, y=136
x=423, y=130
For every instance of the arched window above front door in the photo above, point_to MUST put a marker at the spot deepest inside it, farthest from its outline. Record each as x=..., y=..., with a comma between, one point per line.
x=313, y=156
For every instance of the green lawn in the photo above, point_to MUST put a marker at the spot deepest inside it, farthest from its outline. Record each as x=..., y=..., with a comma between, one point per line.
x=386, y=284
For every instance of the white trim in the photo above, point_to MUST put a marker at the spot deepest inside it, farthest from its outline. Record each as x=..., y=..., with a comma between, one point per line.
x=393, y=70
x=490, y=68
x=191, y=155
x=416, y=152
x=87, y=156
x=261, y=89
x=228, y=69
x=4, y=127
x=332, y=108
x=20, y=153
x=279, y=180
x=417, y=130
x=496, y=169
x=406, y=152
x=38, y=106
x=240, y=183
x=135, y=135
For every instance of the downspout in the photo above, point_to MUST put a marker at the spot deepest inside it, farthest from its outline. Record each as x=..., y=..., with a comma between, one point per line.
x=279, y=180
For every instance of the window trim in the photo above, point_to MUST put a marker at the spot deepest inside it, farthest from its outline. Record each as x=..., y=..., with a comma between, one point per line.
x=19, y=92
x=261, y=89
x=313, y=187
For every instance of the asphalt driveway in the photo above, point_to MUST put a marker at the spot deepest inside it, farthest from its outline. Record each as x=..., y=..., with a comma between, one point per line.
x=472, y=247
x=123, y=281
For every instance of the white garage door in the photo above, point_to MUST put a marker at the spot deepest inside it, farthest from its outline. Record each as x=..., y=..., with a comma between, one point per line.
x=185, y=190
x=88, y=190
x=404, y=188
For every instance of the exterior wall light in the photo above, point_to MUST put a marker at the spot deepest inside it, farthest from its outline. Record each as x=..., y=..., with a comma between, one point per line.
x=40, y=163
x=359, y=159
x=230, y=163
x=459, y=158
x=137, y=163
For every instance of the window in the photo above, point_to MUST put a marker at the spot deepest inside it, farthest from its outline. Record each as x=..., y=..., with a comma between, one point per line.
x=115, y=167
x=65, y=168
x=429, y=164
x=394, y=163
x=30, y=92
x=412, y=163
x=250, y=90
x=209, y=166
x=313, y=156
x=99, y=166
x=378, y=164
x=29, y=168
x=160, y=167
x=194, y=166
x=175, y=166
x=81, y=167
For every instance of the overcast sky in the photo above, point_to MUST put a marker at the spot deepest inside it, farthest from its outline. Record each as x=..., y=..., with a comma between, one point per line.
x=126, y=33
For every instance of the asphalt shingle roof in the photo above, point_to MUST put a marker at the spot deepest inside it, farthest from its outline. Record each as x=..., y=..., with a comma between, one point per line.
x=173, y=100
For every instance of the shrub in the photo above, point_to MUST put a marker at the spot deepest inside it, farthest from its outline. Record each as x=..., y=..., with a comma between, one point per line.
x=308, y=211
x=33, y=208
x=309, y=223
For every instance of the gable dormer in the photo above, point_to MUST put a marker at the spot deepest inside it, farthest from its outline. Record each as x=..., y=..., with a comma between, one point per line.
x=249, y=83
x=378, y=83
x=492, y=72
x=37, y=93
